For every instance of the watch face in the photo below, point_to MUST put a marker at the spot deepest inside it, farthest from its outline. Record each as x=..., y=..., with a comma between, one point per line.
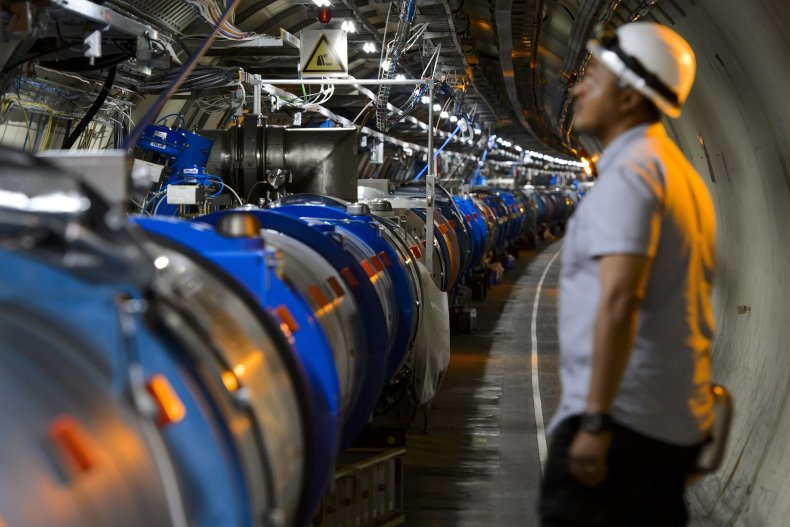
x=595, y=422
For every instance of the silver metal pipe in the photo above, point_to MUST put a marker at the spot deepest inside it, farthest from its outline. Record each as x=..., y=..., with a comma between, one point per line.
x=256, y=95
x=320, y=160
x=430, y=183
x=344, y=82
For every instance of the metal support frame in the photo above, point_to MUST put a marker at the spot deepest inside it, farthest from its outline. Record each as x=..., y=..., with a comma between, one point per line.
x=430, y=185
x=115, y=20
x=256, y=94
x=344, y=82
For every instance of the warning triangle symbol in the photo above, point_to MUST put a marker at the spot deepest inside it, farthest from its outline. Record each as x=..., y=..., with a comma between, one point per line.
x=324, y=59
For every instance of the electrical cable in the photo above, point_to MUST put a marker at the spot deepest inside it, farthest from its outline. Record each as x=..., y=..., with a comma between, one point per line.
x=235, y=194
x=439, y=151
x=34, y=57
x=68, y=142
x=187, y=69
x=180, y=118
x=80, y=64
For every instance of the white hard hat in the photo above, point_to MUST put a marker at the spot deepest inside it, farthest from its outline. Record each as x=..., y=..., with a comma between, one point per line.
x=651, y=58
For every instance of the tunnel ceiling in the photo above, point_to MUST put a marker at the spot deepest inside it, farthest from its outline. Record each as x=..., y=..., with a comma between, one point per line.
x=513, y=61
x=517, y=60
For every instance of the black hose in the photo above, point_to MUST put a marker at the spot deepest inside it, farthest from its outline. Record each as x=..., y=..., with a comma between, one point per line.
x=79, y=64
x=92, y=111
x=37, y=55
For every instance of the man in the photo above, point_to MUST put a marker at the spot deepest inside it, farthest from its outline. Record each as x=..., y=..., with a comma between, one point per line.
x=635, y=316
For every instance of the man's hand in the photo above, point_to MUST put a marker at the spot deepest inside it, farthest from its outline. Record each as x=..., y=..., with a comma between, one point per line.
x=587, y=457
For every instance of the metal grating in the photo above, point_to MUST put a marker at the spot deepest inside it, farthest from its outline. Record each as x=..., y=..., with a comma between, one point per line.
x=173, y=15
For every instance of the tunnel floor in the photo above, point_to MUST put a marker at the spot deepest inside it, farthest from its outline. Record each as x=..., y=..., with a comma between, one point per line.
x=478, y=462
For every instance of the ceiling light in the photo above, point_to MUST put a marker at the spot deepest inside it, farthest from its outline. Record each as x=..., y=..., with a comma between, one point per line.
x=348, y=25
x=444, y=115
x=369, y=47
x=425, y=99
x=322, y=3
x=437, y=107
x=453, y=118
x=400, y=77
x=478, y=131
x=385, y=65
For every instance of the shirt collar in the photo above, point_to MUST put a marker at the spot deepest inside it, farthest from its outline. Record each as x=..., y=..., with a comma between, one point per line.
x=621, y=142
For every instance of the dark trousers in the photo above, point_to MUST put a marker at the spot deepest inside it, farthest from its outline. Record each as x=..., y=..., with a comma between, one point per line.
x=644, y=485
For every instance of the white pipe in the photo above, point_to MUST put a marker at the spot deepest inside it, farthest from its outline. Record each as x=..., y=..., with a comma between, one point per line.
x=430, y=190
x=343, y=82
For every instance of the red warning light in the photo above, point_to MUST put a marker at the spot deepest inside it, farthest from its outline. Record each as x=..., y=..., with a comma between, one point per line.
x=324, y=15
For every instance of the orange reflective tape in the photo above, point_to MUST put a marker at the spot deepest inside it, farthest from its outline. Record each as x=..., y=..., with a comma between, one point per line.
x=285, y=316
x=349, y=277
x=230, y=381
x=475, y=215
x=171, y=409
x=415, y=250
x=385, y=258
x=318, y=295
x=336, y=287
x=468, y=217
x=443, y=228
x=453, y=224
x=73, y=443
x=368, y=269
x=377, y=263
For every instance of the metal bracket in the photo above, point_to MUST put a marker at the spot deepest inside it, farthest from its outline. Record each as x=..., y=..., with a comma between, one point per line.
x=93, y=41
x=114, y=20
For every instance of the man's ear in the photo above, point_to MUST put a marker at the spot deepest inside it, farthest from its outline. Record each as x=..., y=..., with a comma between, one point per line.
x=630, y=100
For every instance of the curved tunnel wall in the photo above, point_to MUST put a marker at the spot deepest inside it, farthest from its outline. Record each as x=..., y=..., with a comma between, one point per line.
x=735, y=129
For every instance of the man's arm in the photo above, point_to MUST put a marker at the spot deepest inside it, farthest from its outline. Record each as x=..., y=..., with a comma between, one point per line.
x=623, y=278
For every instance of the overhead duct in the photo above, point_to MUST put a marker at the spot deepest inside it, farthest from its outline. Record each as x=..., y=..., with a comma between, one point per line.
x=320, y=160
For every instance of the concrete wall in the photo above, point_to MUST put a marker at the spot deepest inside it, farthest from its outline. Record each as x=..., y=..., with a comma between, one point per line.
x=735, y=128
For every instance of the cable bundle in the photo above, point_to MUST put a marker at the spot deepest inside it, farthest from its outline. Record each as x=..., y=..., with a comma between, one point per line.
x=395, y=49
x=211, y=11
x=203, y=77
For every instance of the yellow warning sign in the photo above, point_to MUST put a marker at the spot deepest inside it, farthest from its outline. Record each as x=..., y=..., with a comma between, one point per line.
x=324, y=59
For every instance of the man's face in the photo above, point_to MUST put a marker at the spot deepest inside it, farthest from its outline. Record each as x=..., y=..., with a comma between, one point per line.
x=596, y=98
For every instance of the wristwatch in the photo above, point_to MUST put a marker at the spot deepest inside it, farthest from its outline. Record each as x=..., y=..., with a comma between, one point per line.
x=595, y=422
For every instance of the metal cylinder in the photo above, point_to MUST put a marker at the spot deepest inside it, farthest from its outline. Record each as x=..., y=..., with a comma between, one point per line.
x=320, y=160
